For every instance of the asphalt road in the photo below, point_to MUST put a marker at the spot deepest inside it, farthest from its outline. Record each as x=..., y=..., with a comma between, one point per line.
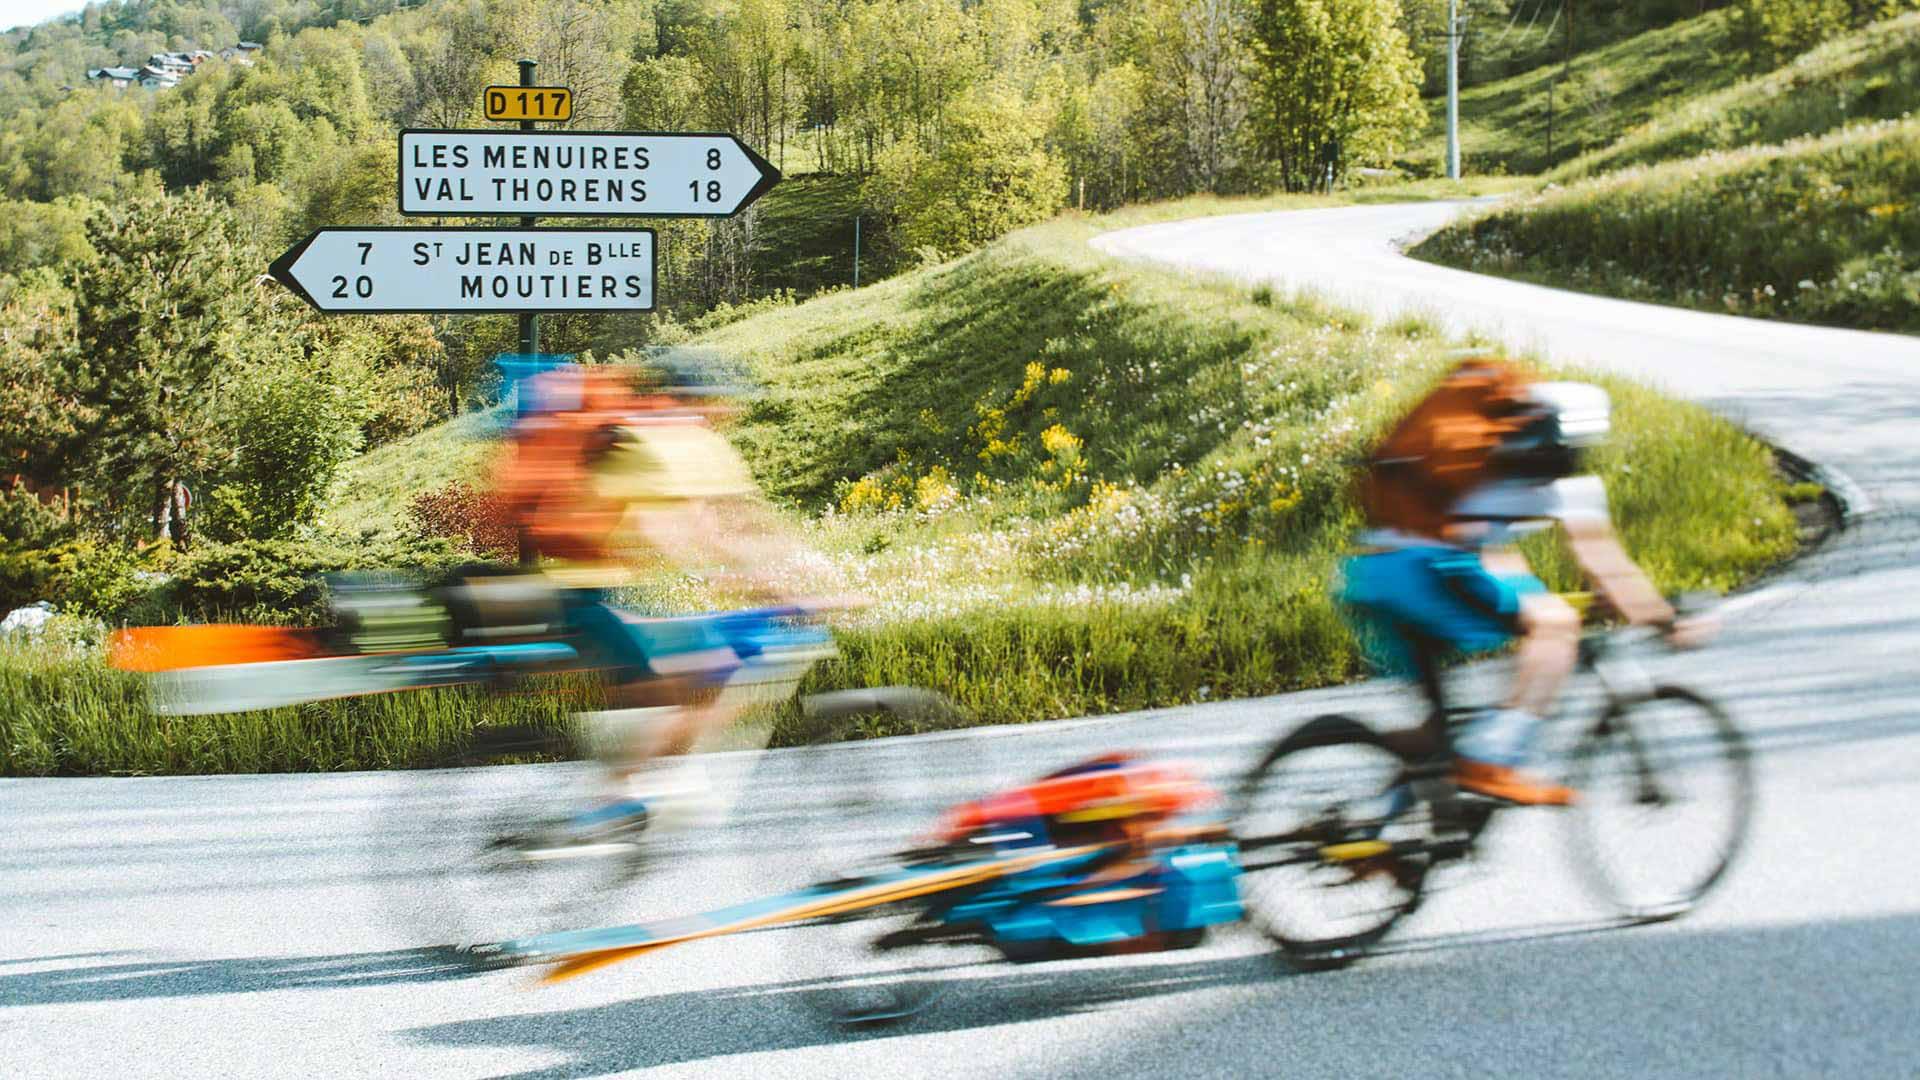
x=267, y=926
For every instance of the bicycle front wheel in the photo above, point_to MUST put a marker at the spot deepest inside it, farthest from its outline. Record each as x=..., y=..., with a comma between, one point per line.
x=1666, y=797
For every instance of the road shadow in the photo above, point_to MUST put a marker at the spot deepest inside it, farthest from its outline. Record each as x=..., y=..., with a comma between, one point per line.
x=1827, y=998
x=135, y=979
x=683, y=1028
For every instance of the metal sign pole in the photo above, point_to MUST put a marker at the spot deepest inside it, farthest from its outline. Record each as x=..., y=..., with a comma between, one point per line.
x=529, y=322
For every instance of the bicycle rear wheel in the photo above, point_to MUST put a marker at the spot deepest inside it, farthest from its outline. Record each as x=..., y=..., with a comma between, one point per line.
x=832, y=805
x=1331, y=845
x=1666, y=797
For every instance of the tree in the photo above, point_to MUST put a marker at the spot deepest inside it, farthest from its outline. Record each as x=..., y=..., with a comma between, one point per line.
x=990, y=174
x=1777, y=29
x=1333, y=84
x=1192, y=54
x=38, y=424
x=183, y=365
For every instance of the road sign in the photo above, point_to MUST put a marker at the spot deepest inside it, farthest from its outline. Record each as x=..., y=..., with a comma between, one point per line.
x=579, y=173
x=463, y=271
x=529, y=103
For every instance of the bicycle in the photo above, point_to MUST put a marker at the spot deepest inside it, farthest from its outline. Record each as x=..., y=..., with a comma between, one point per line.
x=1366, y=817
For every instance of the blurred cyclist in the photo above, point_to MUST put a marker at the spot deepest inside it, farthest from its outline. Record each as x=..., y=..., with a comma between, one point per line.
x=598, y=474
x=1487, y=456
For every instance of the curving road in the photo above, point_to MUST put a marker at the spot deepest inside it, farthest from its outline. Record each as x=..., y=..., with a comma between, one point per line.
x=257, y=926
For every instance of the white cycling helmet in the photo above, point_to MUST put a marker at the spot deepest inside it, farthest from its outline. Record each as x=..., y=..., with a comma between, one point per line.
x=1563, y=420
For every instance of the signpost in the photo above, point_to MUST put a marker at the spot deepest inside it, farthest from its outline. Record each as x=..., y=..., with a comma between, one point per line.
x=529, y=103
x=526, y=174
x=579, y=173
x=470, y=271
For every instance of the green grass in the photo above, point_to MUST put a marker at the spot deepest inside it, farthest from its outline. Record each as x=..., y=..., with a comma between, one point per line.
x=370, y=499
x=805, y=228
x=66, y=713
x=1871, y=74
x=1072, y=484
x=1822, y=230
x=1600, y=97
x=1358, y=194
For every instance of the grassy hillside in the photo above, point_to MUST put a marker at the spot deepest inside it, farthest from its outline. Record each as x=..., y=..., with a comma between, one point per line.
x=1077, y=485
x=1871, y=74
x=1822, y=230
x=1603, y=94
x=805, y=230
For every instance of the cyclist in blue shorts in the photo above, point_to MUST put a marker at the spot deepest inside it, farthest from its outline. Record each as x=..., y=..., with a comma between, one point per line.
x=1488, y=456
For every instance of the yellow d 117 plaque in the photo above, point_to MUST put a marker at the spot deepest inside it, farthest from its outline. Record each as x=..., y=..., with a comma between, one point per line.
x=529, y=103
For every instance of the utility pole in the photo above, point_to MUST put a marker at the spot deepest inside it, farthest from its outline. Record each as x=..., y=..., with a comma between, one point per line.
x=529, y=323
x=1453, y=89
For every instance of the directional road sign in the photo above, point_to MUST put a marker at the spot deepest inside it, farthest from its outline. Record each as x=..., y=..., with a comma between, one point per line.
x=579, y=173
x=453, y=271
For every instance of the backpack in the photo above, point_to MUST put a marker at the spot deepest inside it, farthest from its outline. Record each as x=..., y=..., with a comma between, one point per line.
x=1444, y=448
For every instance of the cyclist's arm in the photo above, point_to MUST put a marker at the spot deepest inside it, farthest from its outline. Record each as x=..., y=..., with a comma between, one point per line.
x=1613, y=573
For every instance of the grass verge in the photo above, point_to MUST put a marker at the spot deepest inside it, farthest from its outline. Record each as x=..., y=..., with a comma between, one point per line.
x=1822, y=230
x=1074, y=485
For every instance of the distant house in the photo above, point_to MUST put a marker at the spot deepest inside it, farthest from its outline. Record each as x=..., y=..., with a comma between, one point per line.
x=120, y=77
x=154, y=78
x=240, y=53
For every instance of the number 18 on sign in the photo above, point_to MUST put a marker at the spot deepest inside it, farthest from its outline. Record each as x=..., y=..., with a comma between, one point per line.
x=451, y=271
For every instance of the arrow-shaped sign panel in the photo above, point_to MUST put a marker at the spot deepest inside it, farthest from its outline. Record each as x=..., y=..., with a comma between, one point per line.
x=464, y=271
x=579, y=173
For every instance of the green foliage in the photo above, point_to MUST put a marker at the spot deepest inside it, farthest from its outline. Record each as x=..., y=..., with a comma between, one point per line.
x=169, y=324
x=81, y=576
x=64, y=712
x=1817, y=230
x=1776, y=30
x=1334, y=85
x=989, y=175
x=52, y=234
x=39, y=424
x=280, y=580
x=297, y=431
x=28, y=521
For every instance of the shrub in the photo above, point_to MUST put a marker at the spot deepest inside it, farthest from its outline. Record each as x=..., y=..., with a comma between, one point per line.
x=28, y=521
x=471, y=517
x=280, y=580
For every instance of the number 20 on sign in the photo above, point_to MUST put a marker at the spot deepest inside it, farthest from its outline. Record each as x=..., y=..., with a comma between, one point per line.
x=529, y=103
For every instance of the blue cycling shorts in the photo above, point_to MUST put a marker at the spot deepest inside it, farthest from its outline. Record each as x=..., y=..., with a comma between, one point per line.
x=638, y=648
x=1442, y=594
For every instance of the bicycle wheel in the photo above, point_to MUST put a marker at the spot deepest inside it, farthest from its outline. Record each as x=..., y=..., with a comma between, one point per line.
x=470, y=877
x=1666, y=796
x=834, y=802
x=1330, y=844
